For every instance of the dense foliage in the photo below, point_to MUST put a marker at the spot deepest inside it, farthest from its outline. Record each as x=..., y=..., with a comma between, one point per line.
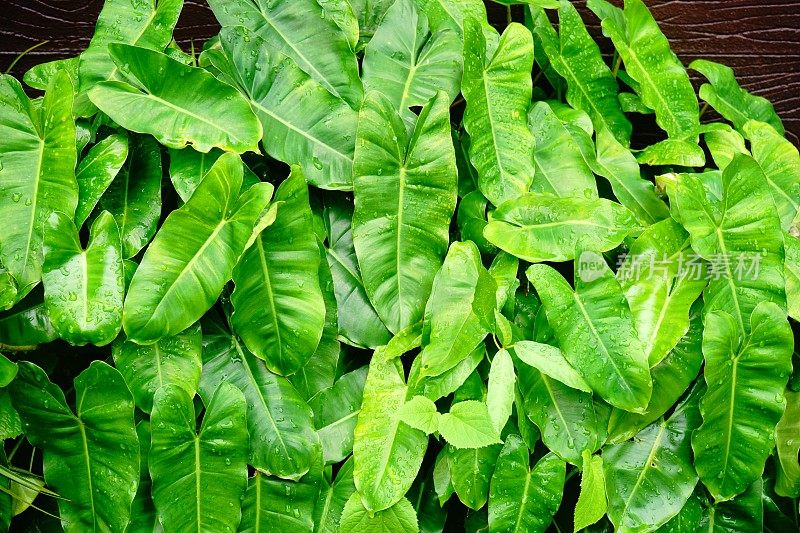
x=376, y=267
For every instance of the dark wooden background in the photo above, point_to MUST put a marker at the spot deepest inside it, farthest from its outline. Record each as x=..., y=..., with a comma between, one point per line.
x=760, y=39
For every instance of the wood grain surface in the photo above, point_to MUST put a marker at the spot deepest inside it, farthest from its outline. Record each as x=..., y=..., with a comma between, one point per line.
x=760, y=39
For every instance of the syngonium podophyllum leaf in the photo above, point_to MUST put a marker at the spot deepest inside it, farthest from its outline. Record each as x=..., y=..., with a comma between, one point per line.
x=332, y=497
x=403, y=181
x=497, y=88
x=191, y=258
x=724, y=143
x=451, y=13
x=780, y=161
x=663, y=83
x=303, y=122
x=787, y=441
x=83, y=288
x=792, y=273
x=188, y=167
x=560, y=166
x=541, y=227
x=743, y=513
x=320, y=49
x=146, y=24
x=408, y=63
x=724, y=94
x=660, y=287
x=336, y=411
x=549, y=360
x=595, y=330
x=134, y=196
x=471, y=220
x=169, y=361
x=463, y=296
x=358, y=320
x=739, y=234
x=746, y=377
x=91, y=457
x=399, y=518
x=654, y=466
x=386, y=451
x=280, y=422
x=500, y=390
x=278, y=308
x=471, y=473
x=156, y=101
x=37, y=169
x=96, y=171
x=436, y=387
x=522, y=499
x=26, y=326
x=143, y=512
x=592, y=502
x=199, y=477
x=591, y=86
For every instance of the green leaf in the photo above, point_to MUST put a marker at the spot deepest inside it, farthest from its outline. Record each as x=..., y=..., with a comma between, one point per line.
x=451, y=13
x=681, y=152
x=664, y=85
x=199, y=477
x=169, y=361
x=497, y=88
x=188, y=167
x=595, y=331
x=452, y=328
x=743, y=513
x=358, y=320
x=134, y=196
x=279, y=420
x=387, y=452
x=336, y=411
x=279, y=311
x=97, y=171
x=402, y=182
x=656, y=466
x=724, y=94
x=420, y=413
x=211, y=115
x=436, y=387
x=399, y=518
x=787, y=441
x=500, y=395
x=522, y=499
x=303, y=123
x=724, y=144
x=91, y=457
x=321, y=49
x=38, y=172
x=590, y=84
x=469, y=425
x=746, y=379
x=472, y=219
x=592, y=503
x=780, y=161
x=542, y=227
x=143, y=511
x=83, y=288
x=408, y=63
x=27, y=326
x=549, y=360
x=176, y=283
x=561, y=168
x=39, y=76
x=471, y=473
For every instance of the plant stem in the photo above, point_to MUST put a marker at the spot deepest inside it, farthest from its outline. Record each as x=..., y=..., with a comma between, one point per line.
x=23, y=54
x=15, y=448
x=703, y=109
x=617, y=64
x=509, y=18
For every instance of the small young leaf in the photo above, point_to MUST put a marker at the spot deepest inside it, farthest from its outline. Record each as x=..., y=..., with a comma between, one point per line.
x=468, y=425
x=420, y=413
x=500, y=395
x=591, y=505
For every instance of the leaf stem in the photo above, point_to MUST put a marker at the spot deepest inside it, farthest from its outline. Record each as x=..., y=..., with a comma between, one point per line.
x=23, y=54
x=703, y=109
x=15, y=448
x=509, y=18
x=617, y=64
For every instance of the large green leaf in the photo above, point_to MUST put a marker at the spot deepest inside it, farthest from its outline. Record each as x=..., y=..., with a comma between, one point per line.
x=96, y=171
x=550, y=361
x=283, y=441
x=333, y=496
x=199, y=476
x=83, y=288
x=169, y=361
x=656, y=466
x=37, y=169
x=724, y=94
x=746, y=378
x=497, y=88
x=521, y=499
x=211, y=115
x=188, y=167
x=386, y=451
x=91, y=457
x=787, y=441
x=663, y=83
x=26, y=326
x=405, y=192
x=278, y=308
x=743, y=513
x=453, y=325
x=358, y=321
x=336, y=412
x=471, y=473
x=399, y=518
x=408, y=63
x=321, y=49
x=541, y=227
x=303, y=123
x=451, y=13
x=191, y=258
x=134, y=196
x=595, y=330
x=576, y=57
x=143, y=512
x=369, y=14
